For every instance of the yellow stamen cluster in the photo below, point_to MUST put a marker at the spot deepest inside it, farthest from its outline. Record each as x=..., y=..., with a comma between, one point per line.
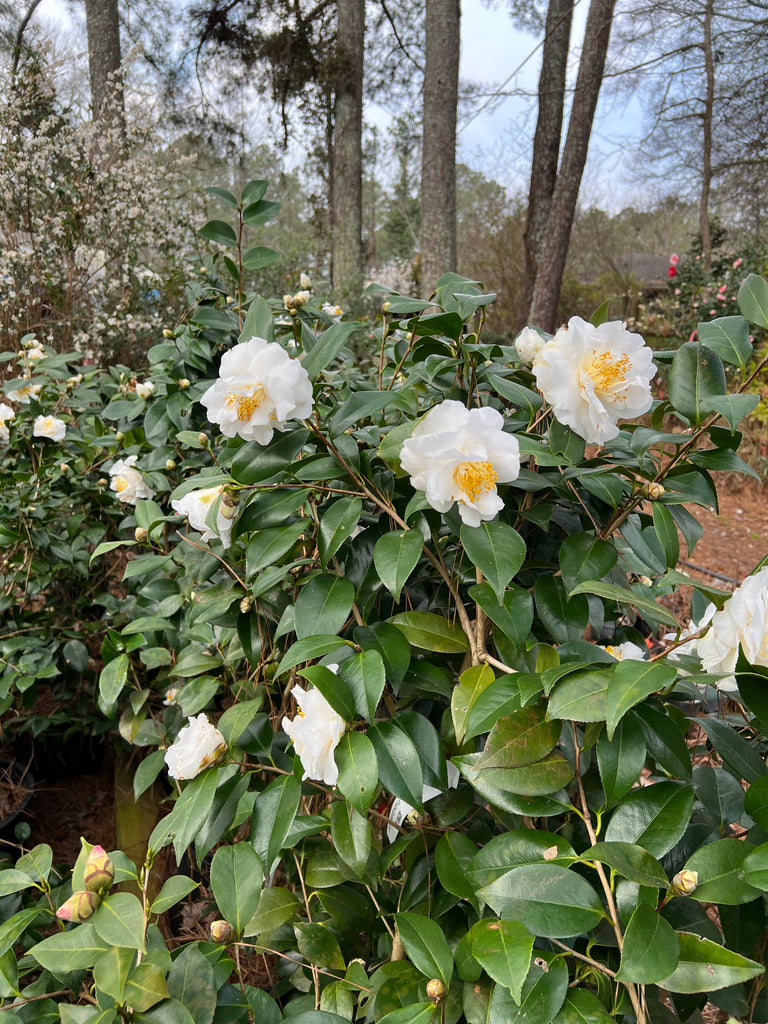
x=120, y=484
x=607, y=371
x=246, y=405
x=475, y=478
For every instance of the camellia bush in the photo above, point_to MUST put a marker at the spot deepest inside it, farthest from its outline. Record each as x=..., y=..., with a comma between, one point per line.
x=436, y=748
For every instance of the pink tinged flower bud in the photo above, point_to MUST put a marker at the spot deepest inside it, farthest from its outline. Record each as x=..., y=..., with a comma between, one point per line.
x=221, y=932
x=652, y=491
x=79, y=907
x=99, y=870
x=684, y=883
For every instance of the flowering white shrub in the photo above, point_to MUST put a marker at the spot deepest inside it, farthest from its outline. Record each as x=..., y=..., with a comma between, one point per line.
x=50, y=427
x=741, y=622
x=259, y=390
x=458, y=455
x=595, y=376
x=198, y=746
x=128, y=482
x=197, y=505
x=315, y=732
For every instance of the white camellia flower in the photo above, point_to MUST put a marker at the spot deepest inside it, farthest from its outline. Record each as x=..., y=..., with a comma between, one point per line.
x=528, y=344
x=260, y=388
x=594, y=376
x=196, y=505
x=127, y=482
x=741, y=622
x=50, y=427
x=336, y=312
x=5, y=434
x=6, y=412
x=198, y=746
x=305, y=281
x=459, y=455
x=146, y=389
x=24, y=394
x=315, y=732
x=626, y=651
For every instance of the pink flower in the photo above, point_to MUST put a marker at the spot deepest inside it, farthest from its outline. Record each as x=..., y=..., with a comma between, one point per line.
x=674, y=259
x=712, y=312
x=677, y=291
x=671, y=272
x=737, y=263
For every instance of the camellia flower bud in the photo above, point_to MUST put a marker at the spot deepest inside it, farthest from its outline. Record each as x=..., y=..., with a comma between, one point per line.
x=140, y=534
x=170, y=464
x=79, y=907
x=203, y=439
x=183, y=384
x=167, y=333
x=228, y=506
x=221, y=932
x=435, y=991
x=246, y=604
x=99, y=870
x=684, y=883
x=652, y=491
x=102, y=482
x=119, y=436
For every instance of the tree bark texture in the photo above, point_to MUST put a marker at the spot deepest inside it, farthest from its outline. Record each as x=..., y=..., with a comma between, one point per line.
x=438, y=166
x=549, y=275
x=347, y=157
x=706, y=156
x=546, y=141
x=102, y=22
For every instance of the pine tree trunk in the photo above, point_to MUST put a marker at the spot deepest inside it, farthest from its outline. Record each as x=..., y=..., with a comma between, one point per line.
x=347, y=160
x=549, y=275
x=103, y=27
x=546, y=141
x=438, y=167
x=706, y=161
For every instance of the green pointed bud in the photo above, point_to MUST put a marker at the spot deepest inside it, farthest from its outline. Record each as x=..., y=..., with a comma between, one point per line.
x=99, y=870
x=79, y=907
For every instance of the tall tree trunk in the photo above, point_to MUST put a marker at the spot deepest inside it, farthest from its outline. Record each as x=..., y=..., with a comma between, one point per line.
x=347, y=160
x=102, y=23
x=438, y=164
x=549, y=275
x=706, y=162
x=546, y=141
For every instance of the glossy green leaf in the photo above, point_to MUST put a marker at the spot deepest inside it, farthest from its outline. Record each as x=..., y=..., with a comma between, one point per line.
x=513, y=617
x=119, y=921
x=111, y=970
x=14, y=881
x=631, y=682
x=651, y=947
x=308, y=649
x=426, y=946
x=753, y=300
x=665, y=741
x=268, y=546
x=696, y=374
x=188, y=815
x=611, y=592
x=453, y=855
x=336, y=526
x=733, y=408
x=547, y=775
x=654, y=817
x=318, y=945
x=74, y=950
x=496, y=550
x=728, y=337
x=756, y=802
x=191, y=981
x=431, y=632
x=513, y=849
x=719, y=866
x=395, y=556
x=520, y=738
x=666, y=531
x=351, y=835
x=585, y=557
x=112, y=680
x=257, y=256
x=565, y=618
x=472, y=682
x=580, y=696
x=273, y=814
x=390, y=643
x=218, y=231
x=364, y=675
x=259, y=322
x=501, y=698
x=327, y=347
x=503, y=949
x=236, y=880
x=548, y=899
x=358, y=770
x=254, y=462
x=276, y=907
x=738, y=755
x=399, y=762
x=705, y=966
x=323, y=605
x=629, y=860
x=417, y=1013
x=333, y=688
x=621, y=759
x=173, y=891
x=582, y=1007
x=542, y=995
x=145, y=987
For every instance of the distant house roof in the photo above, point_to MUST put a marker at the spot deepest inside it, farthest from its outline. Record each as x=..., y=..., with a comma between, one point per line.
x=647, y=267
